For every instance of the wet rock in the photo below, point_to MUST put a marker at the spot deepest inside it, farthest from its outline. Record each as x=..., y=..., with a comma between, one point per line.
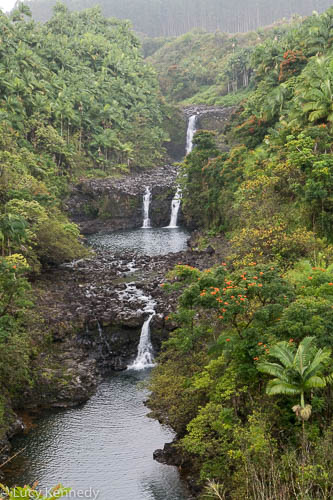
x=110, y=204
x=169, y=455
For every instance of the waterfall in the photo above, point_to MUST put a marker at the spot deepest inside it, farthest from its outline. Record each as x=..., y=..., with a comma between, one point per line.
x=103, y=338
x=175, y=206
x=191, y=129
x=146, y=204
x=145, y=356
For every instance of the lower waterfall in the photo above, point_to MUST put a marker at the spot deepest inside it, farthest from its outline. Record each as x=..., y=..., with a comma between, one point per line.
x=145, y=356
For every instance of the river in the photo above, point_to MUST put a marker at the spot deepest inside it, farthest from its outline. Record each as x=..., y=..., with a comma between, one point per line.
x=107, y=444
x=157, y=241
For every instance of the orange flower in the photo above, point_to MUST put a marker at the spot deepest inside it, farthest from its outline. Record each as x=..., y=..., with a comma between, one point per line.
x=331, y=284
x=166, y=318
x=310, y=278
x=14, y=267
x=227, y=340
x=224, y=264
x=259, y=343
x=256, y=358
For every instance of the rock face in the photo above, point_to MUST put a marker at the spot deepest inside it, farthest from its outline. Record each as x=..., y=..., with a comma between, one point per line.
x=212, y=118
x=112, y=204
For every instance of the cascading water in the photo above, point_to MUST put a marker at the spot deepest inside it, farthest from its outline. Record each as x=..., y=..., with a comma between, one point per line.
x=175, y=204
x=146, y=205
x=102, y=338
x=191, y=129
x=145, y=356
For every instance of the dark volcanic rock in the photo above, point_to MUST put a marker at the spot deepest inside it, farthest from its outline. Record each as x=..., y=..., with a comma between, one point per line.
x=116, y=203
x=169, y=455
x=212, y=118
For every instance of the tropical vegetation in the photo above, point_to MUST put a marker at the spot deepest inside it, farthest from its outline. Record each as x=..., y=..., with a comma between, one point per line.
x=245, y=378
x=175, y=17
x=76, y=101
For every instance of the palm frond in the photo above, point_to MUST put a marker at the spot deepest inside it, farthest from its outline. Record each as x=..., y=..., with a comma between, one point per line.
x=320, y=357
x=277, y=386
x=314, y=382
x=273, y=369
x=317, y=115
x=303, y=355
x=283, y=353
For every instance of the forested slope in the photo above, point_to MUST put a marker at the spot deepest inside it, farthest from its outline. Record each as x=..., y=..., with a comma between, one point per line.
x=202, y=68
x=246, y=377
x=174, y=17
x=76, y=100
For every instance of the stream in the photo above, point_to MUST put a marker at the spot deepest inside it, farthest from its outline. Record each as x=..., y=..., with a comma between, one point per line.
x=104, y=448
x=106, y=444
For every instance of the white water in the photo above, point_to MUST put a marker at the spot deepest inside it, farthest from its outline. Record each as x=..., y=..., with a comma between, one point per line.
x=191, y=130
x=145, y=356
x=146, y=205
x=175, y=204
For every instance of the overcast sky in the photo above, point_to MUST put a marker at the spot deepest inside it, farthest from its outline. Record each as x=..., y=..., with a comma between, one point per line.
x=7, y=5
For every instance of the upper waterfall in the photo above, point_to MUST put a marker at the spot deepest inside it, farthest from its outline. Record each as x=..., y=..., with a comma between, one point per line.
x=191, y=129
x=175, y=204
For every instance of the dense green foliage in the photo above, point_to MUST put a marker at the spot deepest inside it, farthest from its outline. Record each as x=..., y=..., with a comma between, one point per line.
x=208, y=385
x=245, y=377
x=174, y=17
x=76, y=100
x=213, y=69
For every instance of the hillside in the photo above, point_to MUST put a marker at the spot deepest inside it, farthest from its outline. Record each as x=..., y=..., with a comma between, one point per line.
x=76, y=101
x=175, y=17
x=202, y=68
x=245, y=379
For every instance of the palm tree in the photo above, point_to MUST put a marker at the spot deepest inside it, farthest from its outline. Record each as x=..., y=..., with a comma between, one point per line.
x=296, y=373
x=316, y=96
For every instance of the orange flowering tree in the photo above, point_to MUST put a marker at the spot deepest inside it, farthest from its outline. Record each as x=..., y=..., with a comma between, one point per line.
x=228, y=309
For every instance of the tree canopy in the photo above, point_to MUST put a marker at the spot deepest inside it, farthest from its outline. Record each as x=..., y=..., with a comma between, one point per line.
x=174, y=17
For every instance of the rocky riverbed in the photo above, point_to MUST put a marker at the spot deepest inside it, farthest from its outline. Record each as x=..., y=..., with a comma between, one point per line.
x=92, y=313
x=116, y=203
